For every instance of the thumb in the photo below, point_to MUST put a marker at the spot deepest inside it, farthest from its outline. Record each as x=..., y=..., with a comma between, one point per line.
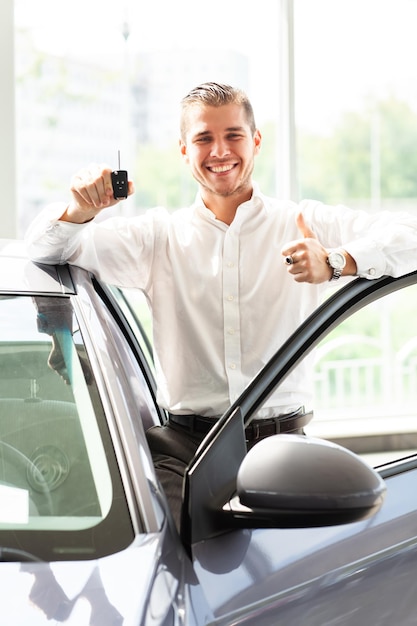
x=303, y=228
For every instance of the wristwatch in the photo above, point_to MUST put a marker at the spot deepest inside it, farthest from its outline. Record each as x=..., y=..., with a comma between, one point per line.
x=337, y=262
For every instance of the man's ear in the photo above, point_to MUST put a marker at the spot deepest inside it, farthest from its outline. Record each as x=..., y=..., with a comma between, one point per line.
x=257, y=140
x=183, y=150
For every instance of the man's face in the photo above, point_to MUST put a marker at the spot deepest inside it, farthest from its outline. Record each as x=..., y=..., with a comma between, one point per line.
x=220, y=149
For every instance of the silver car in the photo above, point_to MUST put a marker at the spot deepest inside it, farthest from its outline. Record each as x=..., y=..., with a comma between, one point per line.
x=300, y=530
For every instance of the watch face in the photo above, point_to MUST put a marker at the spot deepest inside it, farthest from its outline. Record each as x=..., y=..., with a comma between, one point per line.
x=337, y=260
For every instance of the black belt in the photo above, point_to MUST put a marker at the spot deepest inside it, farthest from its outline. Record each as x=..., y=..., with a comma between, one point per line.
x=257, y=429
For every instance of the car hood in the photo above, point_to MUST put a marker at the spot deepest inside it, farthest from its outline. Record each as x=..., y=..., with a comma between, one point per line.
x=109, y=591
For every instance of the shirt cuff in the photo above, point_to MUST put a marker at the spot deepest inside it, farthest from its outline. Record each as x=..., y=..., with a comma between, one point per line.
x=54, y=212
x=370, y=261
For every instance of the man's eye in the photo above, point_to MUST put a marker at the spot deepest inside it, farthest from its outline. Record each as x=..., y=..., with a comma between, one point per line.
x=234, y=136
x=204, y=139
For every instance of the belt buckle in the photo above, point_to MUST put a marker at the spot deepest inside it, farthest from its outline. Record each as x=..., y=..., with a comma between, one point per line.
x=193, y=424
x=277, y=425
x=253, y=432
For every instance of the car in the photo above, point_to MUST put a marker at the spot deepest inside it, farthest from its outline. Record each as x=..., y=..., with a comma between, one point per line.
x=302, y=529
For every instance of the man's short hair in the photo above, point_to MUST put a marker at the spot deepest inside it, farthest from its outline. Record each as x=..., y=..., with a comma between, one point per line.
x=215, y=95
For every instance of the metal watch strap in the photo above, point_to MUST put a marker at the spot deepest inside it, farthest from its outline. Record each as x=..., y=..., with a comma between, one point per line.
x=336, y=274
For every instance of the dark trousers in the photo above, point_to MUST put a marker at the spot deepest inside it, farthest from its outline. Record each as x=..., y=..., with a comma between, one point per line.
x=172, y=449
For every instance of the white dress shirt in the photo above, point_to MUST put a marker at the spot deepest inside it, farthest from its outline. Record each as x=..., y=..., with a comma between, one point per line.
x=222, y=301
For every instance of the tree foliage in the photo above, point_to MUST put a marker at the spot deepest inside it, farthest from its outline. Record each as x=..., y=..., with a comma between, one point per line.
x=381, y=139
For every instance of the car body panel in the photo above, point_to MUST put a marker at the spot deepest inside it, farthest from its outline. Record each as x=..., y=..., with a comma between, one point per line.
x=249, y=577
x=135, y=586
x=281, y=568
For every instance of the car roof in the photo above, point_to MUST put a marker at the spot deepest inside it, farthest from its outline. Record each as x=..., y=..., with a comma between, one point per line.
x=20, y=275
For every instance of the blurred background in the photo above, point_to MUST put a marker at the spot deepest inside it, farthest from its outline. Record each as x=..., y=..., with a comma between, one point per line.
x=333, y=84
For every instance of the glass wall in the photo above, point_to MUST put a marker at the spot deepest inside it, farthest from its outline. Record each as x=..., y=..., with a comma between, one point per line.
x=356, y=102
x=92, y=80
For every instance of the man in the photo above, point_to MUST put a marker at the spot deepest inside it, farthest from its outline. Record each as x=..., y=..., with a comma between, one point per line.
x=228, y=279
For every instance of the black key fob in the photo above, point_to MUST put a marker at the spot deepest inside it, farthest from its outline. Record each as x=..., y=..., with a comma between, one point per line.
x=119, y=183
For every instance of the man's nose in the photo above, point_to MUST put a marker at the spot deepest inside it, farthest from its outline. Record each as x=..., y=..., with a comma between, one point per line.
x=220, y=148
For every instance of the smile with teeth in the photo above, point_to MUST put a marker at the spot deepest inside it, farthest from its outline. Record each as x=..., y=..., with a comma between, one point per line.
x=219, y=169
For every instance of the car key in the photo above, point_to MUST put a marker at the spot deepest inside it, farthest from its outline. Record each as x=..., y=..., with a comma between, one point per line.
x=119, y=182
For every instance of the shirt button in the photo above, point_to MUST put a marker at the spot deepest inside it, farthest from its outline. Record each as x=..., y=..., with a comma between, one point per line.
x=372, y=271
x=230, y=298
x=231, y=331
x=232, y=366
x=230, y=264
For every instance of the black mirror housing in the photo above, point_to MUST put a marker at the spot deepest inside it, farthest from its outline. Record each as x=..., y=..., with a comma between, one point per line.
x=293, y=480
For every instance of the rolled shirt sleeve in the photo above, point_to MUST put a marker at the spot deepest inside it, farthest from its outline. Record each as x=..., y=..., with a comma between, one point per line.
x=51, y=241
x=381, y=243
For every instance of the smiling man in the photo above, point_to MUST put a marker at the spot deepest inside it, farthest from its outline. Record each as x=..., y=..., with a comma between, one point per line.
x=220, y=143
x=228, y=279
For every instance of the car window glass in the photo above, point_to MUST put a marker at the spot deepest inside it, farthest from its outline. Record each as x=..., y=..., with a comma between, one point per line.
x=56, y=463
x=365, y=380
x=135, y=308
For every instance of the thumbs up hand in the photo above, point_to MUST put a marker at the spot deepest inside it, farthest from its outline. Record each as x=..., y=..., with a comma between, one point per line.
x=306, y=232
x=306, y=258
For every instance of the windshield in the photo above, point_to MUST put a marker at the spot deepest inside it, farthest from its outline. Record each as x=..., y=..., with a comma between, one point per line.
x=58, y=470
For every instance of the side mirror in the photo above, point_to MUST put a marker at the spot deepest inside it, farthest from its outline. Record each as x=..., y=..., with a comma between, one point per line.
x=284, y=481
x=296, y=481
